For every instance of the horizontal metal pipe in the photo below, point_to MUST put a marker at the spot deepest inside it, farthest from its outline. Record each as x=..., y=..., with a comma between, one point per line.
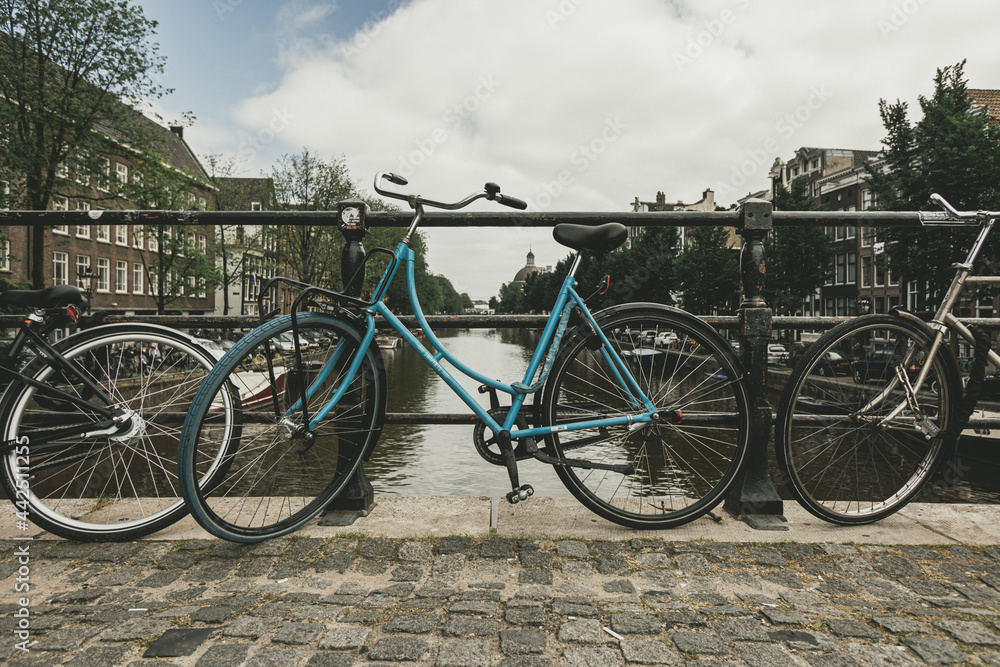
x=469, y=219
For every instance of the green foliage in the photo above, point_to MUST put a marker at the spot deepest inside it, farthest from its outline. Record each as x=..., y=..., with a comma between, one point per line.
x=70, y=73
x=708, y=271
x=511, y=298
x=797, y=257
x=952, y=150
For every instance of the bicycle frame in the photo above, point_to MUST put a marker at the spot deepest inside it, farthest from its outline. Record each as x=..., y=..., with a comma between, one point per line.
x=942, y=322
x=551, y=336
x=28, y=337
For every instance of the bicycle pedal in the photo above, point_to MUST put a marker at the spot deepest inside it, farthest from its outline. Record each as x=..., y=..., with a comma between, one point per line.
x=523, y=492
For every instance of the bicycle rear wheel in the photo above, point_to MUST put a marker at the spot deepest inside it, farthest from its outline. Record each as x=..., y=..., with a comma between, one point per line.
x=844, y=456
x=115, y=487
x=681, y=470
x=283, y=474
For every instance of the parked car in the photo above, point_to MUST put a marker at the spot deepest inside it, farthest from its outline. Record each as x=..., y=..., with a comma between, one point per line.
x=879, y=367
x=666, y=339
x=776, y=355
x=832, y=363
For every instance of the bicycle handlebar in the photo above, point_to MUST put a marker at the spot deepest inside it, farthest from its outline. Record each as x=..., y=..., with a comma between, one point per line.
x=954, y=214
x=491, y=192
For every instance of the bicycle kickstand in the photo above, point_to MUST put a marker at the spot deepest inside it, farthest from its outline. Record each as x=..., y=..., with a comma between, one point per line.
x=520, y=492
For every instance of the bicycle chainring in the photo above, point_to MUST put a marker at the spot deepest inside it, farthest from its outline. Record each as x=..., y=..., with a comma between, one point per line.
x=490, y=449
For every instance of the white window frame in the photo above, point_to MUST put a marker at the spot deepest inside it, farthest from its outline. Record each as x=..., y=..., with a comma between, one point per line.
x=137, y=277
x=82, y=265
x=138, y=236
x=104, y=233
x=121, y=235
x=103, y=275
x=82, y=231
x=121, y=173
x=5, y=255
x=60, y=260
x=121, y=276
x=5, y=191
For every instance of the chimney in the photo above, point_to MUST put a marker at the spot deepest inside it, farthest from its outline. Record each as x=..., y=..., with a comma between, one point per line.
x=178, y=130
x=661, y=198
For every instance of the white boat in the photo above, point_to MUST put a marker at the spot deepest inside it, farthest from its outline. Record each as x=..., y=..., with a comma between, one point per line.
x=387, y=342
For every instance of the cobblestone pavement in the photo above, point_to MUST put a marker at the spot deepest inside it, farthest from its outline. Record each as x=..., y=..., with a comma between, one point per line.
x=461, y=601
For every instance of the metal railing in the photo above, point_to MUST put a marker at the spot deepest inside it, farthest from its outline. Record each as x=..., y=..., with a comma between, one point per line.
x=754, y=495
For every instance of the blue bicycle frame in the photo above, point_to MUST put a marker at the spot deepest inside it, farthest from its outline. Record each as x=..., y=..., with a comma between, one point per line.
x=552, y=334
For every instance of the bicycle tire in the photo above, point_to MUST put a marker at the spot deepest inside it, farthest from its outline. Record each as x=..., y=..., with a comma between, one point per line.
x=117, y=487
x=277, y=484
x=837, y=461
x=682, y=470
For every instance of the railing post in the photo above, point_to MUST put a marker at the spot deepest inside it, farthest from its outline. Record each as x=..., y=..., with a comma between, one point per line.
x=358, y=497
x=753, y=497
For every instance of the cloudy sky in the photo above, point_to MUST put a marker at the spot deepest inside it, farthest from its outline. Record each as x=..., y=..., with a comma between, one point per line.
x=572, y=105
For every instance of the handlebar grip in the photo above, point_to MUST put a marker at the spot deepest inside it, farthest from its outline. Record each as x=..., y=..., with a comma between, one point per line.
x=513, y=202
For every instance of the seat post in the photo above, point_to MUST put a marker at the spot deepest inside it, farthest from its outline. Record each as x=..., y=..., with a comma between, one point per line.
x=576, y=264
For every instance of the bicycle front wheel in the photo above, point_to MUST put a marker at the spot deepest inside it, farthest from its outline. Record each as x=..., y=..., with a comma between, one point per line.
x=116, y=486
x=681, y=470
x=853, y=446
x=284, y=471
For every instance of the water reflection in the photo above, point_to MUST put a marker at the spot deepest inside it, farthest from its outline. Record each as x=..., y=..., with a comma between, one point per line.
x=441, y=459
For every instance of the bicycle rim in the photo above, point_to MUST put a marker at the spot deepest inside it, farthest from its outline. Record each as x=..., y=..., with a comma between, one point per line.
x=843, y=455
x=281, y=476
x=681, y=470
x=110, y=487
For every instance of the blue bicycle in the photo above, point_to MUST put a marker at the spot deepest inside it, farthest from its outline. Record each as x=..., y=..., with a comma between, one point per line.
x=642, y=409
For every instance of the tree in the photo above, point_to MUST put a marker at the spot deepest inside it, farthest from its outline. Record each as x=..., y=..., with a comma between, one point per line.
x=71, y=75
x=953, y=150
x=708, y=271
x=797, y=257
x=240, y=250
x=511, y=297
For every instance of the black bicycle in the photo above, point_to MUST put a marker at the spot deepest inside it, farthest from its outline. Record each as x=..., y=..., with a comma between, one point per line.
x=90, y=432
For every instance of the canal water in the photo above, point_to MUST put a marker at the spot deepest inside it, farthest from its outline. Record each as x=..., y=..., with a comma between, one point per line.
x=441, y=460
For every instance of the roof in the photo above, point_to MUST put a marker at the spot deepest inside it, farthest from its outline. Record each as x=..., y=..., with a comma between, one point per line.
x=987, y=98
x=175, y=150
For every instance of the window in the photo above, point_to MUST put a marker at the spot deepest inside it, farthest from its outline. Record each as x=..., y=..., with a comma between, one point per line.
x=137, y=274
x=138, y=236
x=852, y=267
x=830, y=270
x=880, y=304
x=255, y=206
x=841, y=269
x=82, y=267
x=202, y=243
x=83, y=231
x=105, y=178
x=851, y=232
x=153, y=283
x=830, y=312
x=202, y=203
x=121, y=235
x=103, y=274
x=60, y=268
x=122, y=171
x=4, y=196
x=867, y=199
x=868, y=237
x=154, y=244
x=191, y=290
x=5, y=255
x=121, y=276
x=893, y=278
x=911, y=291
x=104, y=233
x=866, y=271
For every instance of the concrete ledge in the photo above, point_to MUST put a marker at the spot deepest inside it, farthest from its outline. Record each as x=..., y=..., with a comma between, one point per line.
x=540, y=517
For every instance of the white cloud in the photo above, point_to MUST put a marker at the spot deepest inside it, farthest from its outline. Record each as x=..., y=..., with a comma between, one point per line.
x=615, y=100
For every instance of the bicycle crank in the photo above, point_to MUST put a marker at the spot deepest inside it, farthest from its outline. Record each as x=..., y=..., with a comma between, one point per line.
x=490, y=449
